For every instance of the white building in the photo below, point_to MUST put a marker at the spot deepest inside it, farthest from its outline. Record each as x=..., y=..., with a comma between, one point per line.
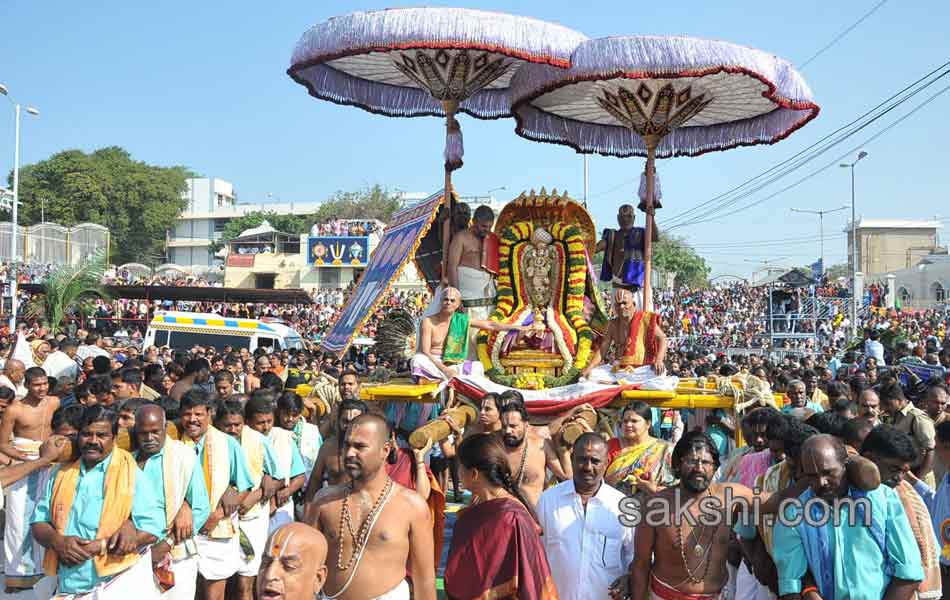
x=212, y=203
x=925, y=285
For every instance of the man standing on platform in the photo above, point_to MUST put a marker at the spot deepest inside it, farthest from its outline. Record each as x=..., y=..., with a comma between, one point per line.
x=623, y=264
x=472, y=266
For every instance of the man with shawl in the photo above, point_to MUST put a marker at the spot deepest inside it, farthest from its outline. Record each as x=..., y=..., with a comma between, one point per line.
x=637, y=343
x=444, y=341
x=172, y=469
x=91, y=525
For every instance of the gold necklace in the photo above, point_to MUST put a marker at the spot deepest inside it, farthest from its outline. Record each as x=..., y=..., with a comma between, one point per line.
x=360, y=538
x=698, y=550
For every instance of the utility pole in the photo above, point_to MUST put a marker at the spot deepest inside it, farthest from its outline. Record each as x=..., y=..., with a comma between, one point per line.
x=821, y=228
x=854, y=248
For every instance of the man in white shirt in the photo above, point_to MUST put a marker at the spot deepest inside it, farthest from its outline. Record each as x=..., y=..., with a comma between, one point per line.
x=93, y=347
x=873, y=348
x=62, y=364
x=586, y=544
x=12, y=377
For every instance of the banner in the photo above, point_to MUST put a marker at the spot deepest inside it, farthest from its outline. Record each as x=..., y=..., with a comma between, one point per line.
x=338, y=251
x=817, y=270
x=395, y=250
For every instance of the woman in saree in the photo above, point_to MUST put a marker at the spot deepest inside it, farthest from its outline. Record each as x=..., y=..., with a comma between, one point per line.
x=638, y=462
x=496, y=547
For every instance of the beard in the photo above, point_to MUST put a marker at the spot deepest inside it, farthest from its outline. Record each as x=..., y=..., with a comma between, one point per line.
x=512, y=441
x=354, y=470
x=696, y=482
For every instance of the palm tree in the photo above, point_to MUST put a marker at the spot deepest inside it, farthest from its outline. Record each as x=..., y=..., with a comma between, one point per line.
x=69, y=289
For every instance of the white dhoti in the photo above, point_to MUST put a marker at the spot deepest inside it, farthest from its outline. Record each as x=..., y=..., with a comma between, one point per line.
x=477, y=288
x=255, y=529
x=186, y=579
x=748, y=587
x=137, y=582
x=23, y=556
x=218, y=558
x=422, y=366
x=644, y=376
x=400, y=592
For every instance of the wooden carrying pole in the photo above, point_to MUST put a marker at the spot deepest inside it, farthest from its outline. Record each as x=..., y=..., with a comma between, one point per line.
x=651, y=141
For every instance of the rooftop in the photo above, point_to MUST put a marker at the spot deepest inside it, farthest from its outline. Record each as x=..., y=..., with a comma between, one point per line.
x=896, y=224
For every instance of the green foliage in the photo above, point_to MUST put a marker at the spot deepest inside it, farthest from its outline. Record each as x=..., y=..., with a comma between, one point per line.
x=281, y=223
x=138, y=202
x=373, y=202
x=673, y=255
x=69, y=289
x=835, y=271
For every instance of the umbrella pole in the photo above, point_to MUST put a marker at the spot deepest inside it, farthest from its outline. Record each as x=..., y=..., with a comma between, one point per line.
x=450, y=107
x=651, y=141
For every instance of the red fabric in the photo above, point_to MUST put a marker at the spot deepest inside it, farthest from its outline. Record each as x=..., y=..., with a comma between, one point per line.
x=598, y=399
x=613, y=449
x=491, y=260
x=402, y=473
x=496, y=552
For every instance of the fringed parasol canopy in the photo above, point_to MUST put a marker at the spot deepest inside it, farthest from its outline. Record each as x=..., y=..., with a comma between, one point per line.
x=695, y=95
x=404, y=62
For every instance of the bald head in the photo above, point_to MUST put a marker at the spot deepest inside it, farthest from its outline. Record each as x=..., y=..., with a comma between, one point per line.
x=823, y=461
x=14, y=370
x=451, y=300
x=149, y=429
x=293, y=565
x=624, y=303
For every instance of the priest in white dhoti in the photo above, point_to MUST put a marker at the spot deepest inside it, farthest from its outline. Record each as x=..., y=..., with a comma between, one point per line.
x=472, y=266
x=445, y=339
x=637, y=346
x=99, y=517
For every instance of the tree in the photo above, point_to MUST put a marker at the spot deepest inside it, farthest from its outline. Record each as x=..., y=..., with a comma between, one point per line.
x=69, y=289
x=138, y=202
x=281, y=223
x=373, y=202
x=672, y=254
x=835, y=271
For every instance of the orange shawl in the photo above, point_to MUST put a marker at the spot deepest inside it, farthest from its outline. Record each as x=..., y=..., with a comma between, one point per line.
x=922, y=527
x=116, y=509
x=641, y=341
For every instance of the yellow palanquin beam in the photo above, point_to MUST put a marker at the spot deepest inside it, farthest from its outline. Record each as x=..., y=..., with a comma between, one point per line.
x=400, y=392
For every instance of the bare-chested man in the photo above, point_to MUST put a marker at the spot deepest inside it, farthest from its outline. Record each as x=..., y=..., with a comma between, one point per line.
x=529, y=454
x=445, y=339
x=328, y=467
x=465, y=267
x=686, y=555
x=373, y=525
x=634, y=340
x=26, y=422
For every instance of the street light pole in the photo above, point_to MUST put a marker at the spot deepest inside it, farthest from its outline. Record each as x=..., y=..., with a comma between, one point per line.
x=854, y=248
x=16, y=202
x=821, y=228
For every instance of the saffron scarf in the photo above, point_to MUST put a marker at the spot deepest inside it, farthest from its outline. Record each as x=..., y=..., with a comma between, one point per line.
x=641, y=341
x=116, y=509
x=455, y=349
x=922, y=527
x=252, y=443
x=178, y=465
x=216, y=467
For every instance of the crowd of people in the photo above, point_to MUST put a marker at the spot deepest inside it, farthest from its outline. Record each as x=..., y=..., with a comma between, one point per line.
x=341, y=227
x=243, y=488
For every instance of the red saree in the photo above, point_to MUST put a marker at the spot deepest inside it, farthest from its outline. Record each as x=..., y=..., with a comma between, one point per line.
x=496, y=553
x=401, y=473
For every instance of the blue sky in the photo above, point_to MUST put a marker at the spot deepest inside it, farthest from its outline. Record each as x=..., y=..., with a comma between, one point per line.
x=203, y=84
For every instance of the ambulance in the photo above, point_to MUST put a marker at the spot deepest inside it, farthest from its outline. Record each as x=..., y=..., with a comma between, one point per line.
x=185, y=330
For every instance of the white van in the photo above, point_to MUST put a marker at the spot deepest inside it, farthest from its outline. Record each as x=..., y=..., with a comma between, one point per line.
x=184, y=330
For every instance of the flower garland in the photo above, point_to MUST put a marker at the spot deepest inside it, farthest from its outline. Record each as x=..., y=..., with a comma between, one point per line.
x=570, y=302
